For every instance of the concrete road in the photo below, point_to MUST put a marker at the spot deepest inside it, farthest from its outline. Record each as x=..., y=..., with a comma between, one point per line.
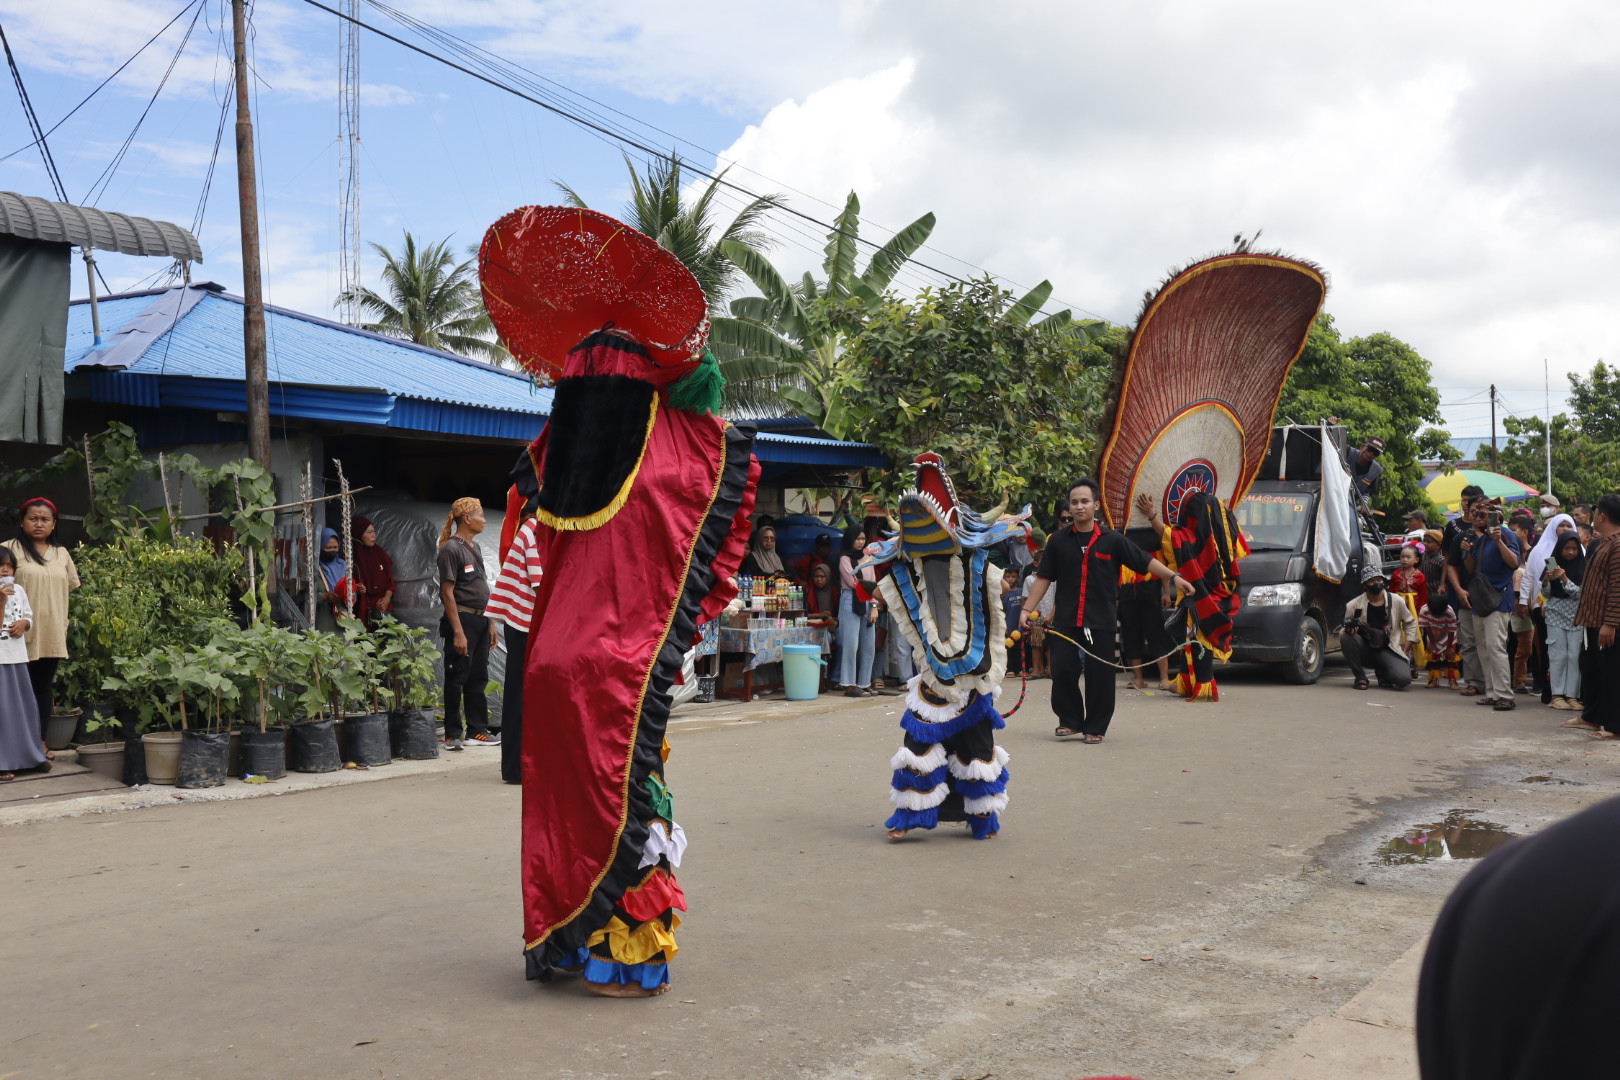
x=1170, y=904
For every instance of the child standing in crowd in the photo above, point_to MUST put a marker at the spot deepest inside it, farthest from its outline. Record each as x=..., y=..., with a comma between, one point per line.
x=19, y=713
x=1412, y=586
x=1562, y=589
x=1012, y=599
x=1438, y=623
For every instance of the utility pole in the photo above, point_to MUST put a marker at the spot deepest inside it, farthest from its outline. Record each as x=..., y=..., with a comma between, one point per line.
x=1546, y=388
x=1493, y=427
x=247, y=192
x=349, y=158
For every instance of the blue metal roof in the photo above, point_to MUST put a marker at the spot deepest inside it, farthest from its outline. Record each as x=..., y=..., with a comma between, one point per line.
x=182, y=348
x=159, y=352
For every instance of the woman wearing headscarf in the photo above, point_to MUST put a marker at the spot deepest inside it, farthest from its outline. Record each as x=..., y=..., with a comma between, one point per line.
x=373, y=574
x=857, y=616
x=1561, y=585
x=1522, y=969
x=334, y=587
x=763, y=560
x=46, y=572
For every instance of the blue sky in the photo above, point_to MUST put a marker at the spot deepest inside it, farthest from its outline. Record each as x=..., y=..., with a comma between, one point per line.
x=1454, y=166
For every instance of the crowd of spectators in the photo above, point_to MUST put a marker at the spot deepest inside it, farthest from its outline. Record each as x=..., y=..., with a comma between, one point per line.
x=1516, y=604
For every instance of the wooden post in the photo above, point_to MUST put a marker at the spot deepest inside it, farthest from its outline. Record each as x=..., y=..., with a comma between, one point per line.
x=348, y=536
x=255, y=366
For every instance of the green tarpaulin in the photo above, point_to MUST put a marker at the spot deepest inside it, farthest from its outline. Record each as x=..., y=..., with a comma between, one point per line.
x=33, y=338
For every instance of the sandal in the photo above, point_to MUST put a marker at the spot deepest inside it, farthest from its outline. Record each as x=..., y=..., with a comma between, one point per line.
x=1361, y=684
x=853, y=691
x=6, y=778
x=1471, y=691
x=1091, y=740
x=1601, y=734
x=1063, y=732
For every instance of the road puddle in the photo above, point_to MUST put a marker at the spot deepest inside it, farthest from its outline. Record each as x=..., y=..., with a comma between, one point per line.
x=1545, y=780
x=1459, y=836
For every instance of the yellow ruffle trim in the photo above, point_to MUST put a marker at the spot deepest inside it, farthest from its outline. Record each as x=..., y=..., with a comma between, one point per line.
x=607, y=513
x=640, y=945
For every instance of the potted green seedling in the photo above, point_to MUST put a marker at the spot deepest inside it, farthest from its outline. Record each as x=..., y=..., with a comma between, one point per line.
x=312, y=744
x=406, y=654
x=357, y=681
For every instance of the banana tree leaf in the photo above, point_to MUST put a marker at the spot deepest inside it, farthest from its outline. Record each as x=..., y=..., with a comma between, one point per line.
x=754, y=338
x=1025, y=309
x=888, y=259
x=840, y=263
x=754, y=308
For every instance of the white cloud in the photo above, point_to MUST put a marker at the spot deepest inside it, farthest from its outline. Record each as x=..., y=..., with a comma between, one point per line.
x=1452, y=166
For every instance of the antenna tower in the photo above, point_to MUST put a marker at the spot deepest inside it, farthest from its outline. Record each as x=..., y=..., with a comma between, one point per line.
x=349, y=156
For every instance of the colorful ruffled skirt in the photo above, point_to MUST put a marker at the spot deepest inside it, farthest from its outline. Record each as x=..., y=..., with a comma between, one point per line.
x=948, y=767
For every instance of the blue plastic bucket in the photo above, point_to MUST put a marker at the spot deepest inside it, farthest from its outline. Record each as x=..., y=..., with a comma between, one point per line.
x=801, y=671
x=796, y=536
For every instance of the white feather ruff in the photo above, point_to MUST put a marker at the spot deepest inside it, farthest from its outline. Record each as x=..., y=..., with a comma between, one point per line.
x=923, y=710
x=979, y=770
x=988, y=804
x=666, y=840
x=907, y=799
x=927, y=763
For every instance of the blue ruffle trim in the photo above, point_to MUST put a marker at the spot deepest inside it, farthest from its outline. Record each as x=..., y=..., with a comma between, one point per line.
x=905, y=779
x=984, y=826
x=647, y=976
x=575, y=959
x=980, y=709
x=914, y=819
x=978, y=789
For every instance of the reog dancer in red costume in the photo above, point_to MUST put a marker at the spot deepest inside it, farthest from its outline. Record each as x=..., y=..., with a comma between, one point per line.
x=642, y=497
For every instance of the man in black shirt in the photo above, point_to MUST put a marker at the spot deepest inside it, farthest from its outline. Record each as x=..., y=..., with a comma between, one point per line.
x=1084, y=560
x=1457, y=578
x=1365, y=471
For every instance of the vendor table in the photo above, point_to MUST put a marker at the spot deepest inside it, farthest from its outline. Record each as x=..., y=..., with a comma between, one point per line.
x=765, y=647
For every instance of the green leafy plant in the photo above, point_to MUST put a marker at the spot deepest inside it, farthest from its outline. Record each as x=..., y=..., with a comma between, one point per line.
x=259, y=661
x=406, y=655
x=177, y=685
x=140, y=594
x=356, y=673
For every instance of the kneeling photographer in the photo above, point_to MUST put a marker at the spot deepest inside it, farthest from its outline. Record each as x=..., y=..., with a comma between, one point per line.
x=1378, y=634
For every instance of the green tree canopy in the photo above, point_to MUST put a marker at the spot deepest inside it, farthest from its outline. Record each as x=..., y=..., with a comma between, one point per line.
x=1376, y=385
x=430, y=299
x=1013, y=409
x=1585, y=441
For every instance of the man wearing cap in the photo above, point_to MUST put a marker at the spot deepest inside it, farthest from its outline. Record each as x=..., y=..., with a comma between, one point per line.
x=1417, y=523
x=1378, y=634
x=1365, y=471
x=1549, y=505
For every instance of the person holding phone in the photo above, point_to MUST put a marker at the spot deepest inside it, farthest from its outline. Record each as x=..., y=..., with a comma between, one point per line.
x=1491, y=555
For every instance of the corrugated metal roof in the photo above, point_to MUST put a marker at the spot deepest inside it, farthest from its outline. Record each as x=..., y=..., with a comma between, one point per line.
x=85, y=226
x=206, y=343
x=183, y=348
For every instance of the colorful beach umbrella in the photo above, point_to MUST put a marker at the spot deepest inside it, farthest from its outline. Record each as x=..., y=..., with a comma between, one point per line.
x=1445, y=489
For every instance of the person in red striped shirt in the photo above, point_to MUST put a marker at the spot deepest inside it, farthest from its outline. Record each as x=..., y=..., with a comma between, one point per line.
x=511, y=604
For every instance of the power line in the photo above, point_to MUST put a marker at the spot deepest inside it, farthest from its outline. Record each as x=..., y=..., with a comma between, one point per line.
x=624, y=138
x=118, y=159
x=39, y=139
x=33, y=119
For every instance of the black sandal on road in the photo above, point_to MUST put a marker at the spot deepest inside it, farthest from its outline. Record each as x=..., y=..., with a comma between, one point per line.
x=1361, y=684
x=1091, y=740
x=1063, y=732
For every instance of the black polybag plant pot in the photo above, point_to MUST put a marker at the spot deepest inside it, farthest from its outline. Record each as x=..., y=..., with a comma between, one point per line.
x=312, y=747
x=412, y=734
x=203, y=758
x=366, y=739
x=264, y=753
x=134, y=759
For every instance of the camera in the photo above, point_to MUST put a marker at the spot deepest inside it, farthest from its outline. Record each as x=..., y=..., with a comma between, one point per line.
x=1351, y=625
x=1493, y=518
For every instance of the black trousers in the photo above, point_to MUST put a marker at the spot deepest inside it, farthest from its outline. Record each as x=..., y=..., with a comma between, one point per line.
x=1600, y=683
x=1141, y=621
x=1390, y=666
x=517, y=661
x=41, y=675
x=1092, y=713
x=465, y=677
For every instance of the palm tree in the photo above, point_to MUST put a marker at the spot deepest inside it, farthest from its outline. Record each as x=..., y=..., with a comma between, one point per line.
x=692, y=233
x=803, y=326
x=431, y=300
